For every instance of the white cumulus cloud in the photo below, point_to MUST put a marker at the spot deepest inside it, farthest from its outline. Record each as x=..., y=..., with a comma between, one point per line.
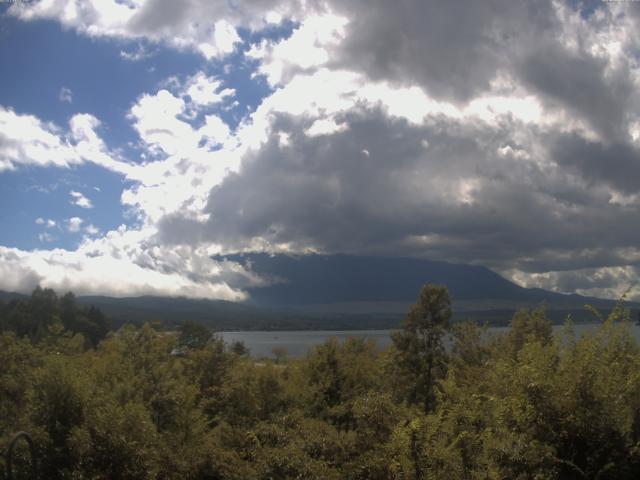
x=205, y=91
x=49, y=223
x=65, y=95
x=73, y=224
x=77, y=198
x=209, y=27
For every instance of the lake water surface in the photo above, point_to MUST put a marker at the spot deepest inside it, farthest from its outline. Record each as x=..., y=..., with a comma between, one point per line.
x=298, y=343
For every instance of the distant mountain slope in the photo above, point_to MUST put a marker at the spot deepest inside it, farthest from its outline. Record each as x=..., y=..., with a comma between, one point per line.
x=331, y=279
x=171, y=311
x=347, y=292
x=7, y=296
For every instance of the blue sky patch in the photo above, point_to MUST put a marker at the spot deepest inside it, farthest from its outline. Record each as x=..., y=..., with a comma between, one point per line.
x=53, y=72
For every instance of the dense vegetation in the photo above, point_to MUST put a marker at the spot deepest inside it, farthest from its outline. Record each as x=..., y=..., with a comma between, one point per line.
x=44, y=314
x=144, y=404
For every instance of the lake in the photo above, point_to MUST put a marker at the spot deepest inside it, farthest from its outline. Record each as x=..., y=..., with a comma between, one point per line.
x=299, y=342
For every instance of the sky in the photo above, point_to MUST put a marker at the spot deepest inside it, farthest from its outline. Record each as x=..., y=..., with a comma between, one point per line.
x=141, y=138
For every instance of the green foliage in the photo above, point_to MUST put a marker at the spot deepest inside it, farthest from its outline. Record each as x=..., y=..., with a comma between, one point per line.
x=19, y=360
x=239, y=348
x=280, y=353
x=528, y=326
x=42, y=313
x=336, y=376
x=420, y=358
x=526, y=405
x=194, y=335
x=57, y=404
x=521, y=405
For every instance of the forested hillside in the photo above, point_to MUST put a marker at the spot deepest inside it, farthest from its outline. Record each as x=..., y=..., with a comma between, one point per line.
x=143, y=404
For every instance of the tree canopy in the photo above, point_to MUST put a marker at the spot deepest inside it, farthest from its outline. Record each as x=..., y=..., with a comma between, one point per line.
x=441, y=402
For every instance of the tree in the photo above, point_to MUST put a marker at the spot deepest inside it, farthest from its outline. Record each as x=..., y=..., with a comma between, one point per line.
x=527, y=326
x=44, y=307
x=239, y=348
x=194, y=335
x=280, y=352
x=420, y=355
x=68, y=311
x=98, y=323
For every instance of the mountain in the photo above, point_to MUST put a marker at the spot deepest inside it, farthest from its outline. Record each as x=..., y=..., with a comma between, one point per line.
x=222, y=315
x=348, y=292
x=299, y=281
x=349, y=286
x=7, y=296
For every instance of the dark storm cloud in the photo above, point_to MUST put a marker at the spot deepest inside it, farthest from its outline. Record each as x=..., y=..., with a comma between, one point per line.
x=527, y=197
x=454, y=49
x=616, y=164
x=403, y=196
x=579, y=82
x=318, y=189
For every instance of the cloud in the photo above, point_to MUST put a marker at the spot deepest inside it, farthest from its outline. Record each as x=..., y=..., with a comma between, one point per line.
x=49, y=223
x=496, y=133
x=205, y=91
x=209, y=27
x=137, y=54
x=156, y=121
x=27, y=140
x=123, y=263
x=91, y=229
x=578, y=65
x=306, y=49
x=45, y=237
x=24, y=139
x=80, y=200
x=614, y=163
x=606, y=282
x=65, y=95
x=190, y=155
x=473, y=184
x=185, y=160
x=582, y=84
x=165, y=120
x=73, y=224
x=404, y=43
